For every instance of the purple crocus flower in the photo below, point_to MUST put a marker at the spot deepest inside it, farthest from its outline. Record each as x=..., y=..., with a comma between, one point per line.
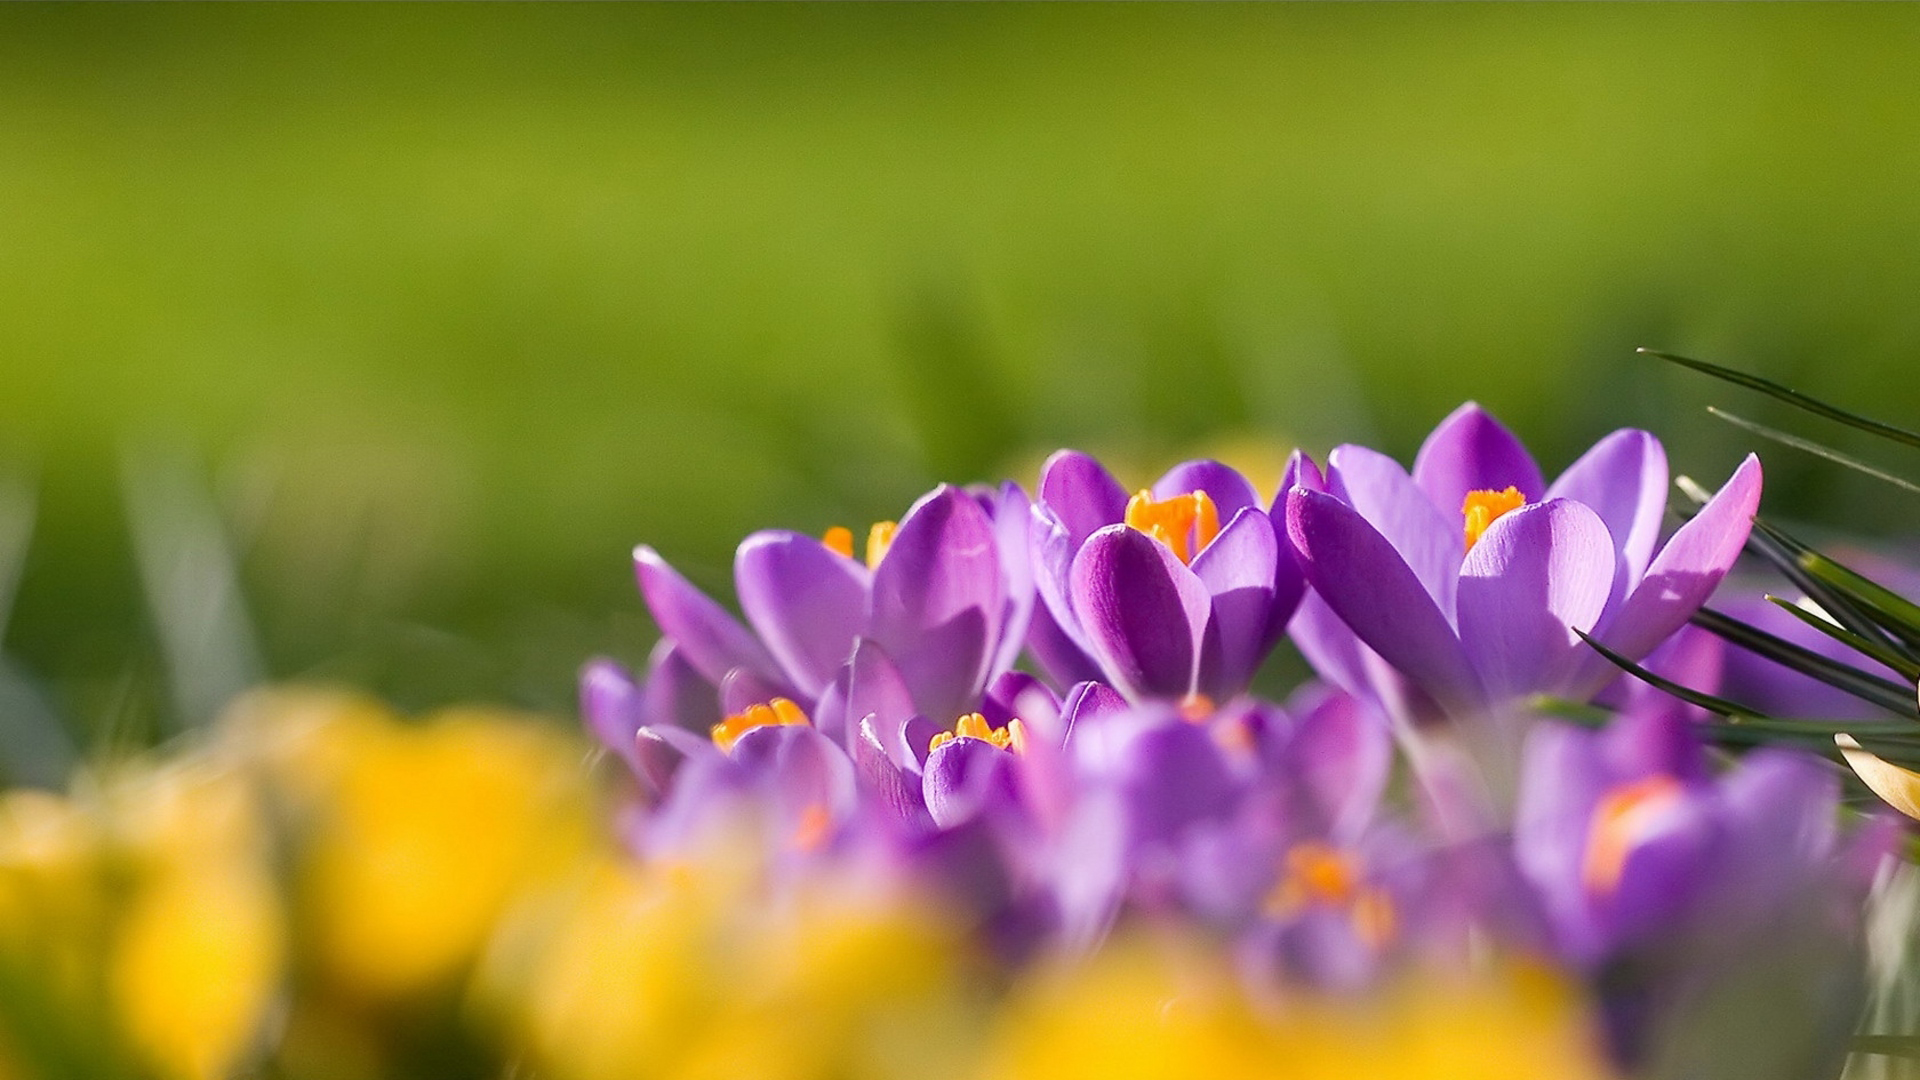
x=1179, y=590
x=945, y=593
x=1469, y=576
x=1664, y=882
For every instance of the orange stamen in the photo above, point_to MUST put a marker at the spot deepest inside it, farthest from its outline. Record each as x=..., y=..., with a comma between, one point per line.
x=1012, y=738
x=1196, y=708
x=1318, y=875
x=1186, y=524
x=839, y=540
x=1621, y=822
x=879, y=541
x=777, y=713
x=1483, y=508
x=816, y=825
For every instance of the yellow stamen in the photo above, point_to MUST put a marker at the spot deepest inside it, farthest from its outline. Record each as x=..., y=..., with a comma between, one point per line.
x=879, y=540
x=1483, y=508
x=777, y=713
x=839, y=540
x=1621, y=822
x=816, y=825
x=1318, y=875
x=1186, y=524
x=1012, y=738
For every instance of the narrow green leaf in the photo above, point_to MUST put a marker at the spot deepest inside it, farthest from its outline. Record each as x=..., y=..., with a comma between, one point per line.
x=1685, y=693
x=1907, y=1046
x=1784, y=553
x=1885, y=654
x=1866, y=686
x=1814, y=448
x=1792, y=397
x=1894, y=611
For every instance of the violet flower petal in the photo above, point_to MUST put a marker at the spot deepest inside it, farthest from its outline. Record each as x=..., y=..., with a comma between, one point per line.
x=1080, y=494
x=966, y=778
x=713, y=641
x=1363, y=579
x=1230, y=491
x=611, y=705
x=878, y=698
x=1430, y=542
x=805, y=601
x=1012, y=521
x=1623, y=478
x=1143, y=610
x=1063, y=660
x=1089, y=703
x=1237, y=570
x=1342, y=753
x=676, y=694
x=1536, y=572
x=938, y=600
x=1471, y=451
x=1682, y=576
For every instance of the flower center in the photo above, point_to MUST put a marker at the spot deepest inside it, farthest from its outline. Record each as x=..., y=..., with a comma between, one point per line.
x=1186, y=524
x=1013, y=737
x=1622, y=821
x=1317, y=875
x=879, y=540
x=776, y=713
x=1483, y=508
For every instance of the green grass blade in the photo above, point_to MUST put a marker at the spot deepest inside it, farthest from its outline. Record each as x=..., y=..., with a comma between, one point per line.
x=1885, y=693
x=1792, y=397
x=1814, y=448
x=1785, y=553
x=1884, y=654
x=1685, y=693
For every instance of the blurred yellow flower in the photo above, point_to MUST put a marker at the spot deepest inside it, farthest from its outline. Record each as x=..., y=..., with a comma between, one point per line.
x=417, y=836
x=693, y=972
x=1155, y=1009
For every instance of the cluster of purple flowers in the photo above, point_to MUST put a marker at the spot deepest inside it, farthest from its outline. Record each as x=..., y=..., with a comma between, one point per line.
x=869, y=707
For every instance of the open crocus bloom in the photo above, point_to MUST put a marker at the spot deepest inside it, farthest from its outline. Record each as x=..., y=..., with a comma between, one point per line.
x=1178, y=590
x=1469, y=576
x=1667, y=879
x=946, y=593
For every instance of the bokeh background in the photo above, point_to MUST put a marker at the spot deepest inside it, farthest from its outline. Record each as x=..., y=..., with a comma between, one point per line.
x=361, y=344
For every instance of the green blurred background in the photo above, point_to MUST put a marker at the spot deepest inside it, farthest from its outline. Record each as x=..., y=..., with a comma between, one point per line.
x=419, y=318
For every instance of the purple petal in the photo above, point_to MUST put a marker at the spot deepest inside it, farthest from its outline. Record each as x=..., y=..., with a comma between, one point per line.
x=1016, y=694
x=1300, y=472
x=1363, y=579
x=1081, y=494
x=1143, y=610
x=1683, y=574
x=878, y=699
x=1063, y=661
x=799, y=768
x=713, y=641
x=1172, y=775
x=966, y=778
x=1343, y=753
x=742, y=689
x=1230, y=491
x=805, y=601
x=1237, y=570
x=1623, y=478
x=1471, y=451
x=1012, y=521
x=1562, y=778
x=611, y=705
x=1536, y=573
x=1431, y=544
x=886, y=784
x=938, y=599
x=1050, y=549
x=676, y=694
x=1089, y=703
